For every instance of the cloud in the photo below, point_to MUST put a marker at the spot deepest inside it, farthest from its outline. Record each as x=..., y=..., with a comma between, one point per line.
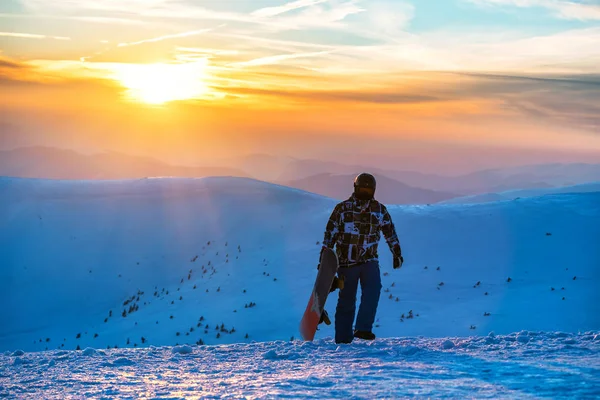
x=317, y=16
x=271, y=60
x=294, y=5
x=5, y=63
x=32, y=36
x=391, y=18
x=568, y=100
x=578, y=10
x=166, y=37
x=373, y=97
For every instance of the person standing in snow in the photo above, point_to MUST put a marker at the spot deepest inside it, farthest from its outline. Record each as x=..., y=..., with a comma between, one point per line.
x=354, y=229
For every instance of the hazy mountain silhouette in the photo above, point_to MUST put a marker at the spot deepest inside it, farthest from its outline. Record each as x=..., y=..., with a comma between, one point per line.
x=54, y=163
x=389, y=191
x=484, y=181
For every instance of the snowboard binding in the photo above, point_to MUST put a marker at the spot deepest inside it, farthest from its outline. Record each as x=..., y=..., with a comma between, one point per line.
x=338, y=283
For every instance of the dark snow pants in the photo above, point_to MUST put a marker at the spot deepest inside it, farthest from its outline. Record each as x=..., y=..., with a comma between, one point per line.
x=370, y=283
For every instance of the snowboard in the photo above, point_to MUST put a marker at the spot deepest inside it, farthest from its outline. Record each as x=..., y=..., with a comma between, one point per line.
x=321, y=289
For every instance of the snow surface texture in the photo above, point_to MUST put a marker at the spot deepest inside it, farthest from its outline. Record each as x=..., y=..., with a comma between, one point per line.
x=525, y=365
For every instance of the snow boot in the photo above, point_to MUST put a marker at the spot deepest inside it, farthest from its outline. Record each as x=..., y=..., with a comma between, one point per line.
x=366, y=335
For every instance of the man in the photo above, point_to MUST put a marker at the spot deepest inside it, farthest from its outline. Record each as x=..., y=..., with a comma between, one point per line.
x=354, y=229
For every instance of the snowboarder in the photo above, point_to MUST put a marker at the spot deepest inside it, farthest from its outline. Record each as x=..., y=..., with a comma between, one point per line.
x=354, y=229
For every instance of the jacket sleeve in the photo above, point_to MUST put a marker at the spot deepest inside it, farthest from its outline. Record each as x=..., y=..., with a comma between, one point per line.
x=389, y=232
x=332, y=229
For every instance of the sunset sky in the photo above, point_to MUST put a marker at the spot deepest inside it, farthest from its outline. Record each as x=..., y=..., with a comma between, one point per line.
x=432, y=84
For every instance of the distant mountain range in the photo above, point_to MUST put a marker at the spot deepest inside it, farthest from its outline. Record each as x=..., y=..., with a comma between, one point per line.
x=331, y=179
x=388, y=191
x=53, y=163
x=537, y=176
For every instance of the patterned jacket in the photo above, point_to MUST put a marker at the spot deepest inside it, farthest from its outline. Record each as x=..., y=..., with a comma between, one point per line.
x=355, y=226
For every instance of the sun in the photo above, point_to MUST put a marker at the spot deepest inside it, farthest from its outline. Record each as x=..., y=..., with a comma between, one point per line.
x=161, y=83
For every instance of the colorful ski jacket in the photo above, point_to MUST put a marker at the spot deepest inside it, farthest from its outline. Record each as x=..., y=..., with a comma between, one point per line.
x=354, y=227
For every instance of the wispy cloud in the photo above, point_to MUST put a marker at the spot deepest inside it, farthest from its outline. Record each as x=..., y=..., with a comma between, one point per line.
x=32, y=36
x=10, y=64
x=276, y=59
x=329, y=96
x=318, y=16
x=166, y=37
x=579, y=10
x=294, y=5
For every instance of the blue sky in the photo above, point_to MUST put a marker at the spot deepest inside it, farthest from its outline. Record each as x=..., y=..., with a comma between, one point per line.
x=347, y=22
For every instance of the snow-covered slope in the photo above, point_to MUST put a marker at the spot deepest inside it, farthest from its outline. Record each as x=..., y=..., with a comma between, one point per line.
x=74, y=255
x=517, y=194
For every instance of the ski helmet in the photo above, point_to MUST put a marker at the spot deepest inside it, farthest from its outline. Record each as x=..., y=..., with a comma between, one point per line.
x=364, y=186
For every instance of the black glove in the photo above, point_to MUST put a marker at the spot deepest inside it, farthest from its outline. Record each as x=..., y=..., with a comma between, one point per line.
x=398, y=261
